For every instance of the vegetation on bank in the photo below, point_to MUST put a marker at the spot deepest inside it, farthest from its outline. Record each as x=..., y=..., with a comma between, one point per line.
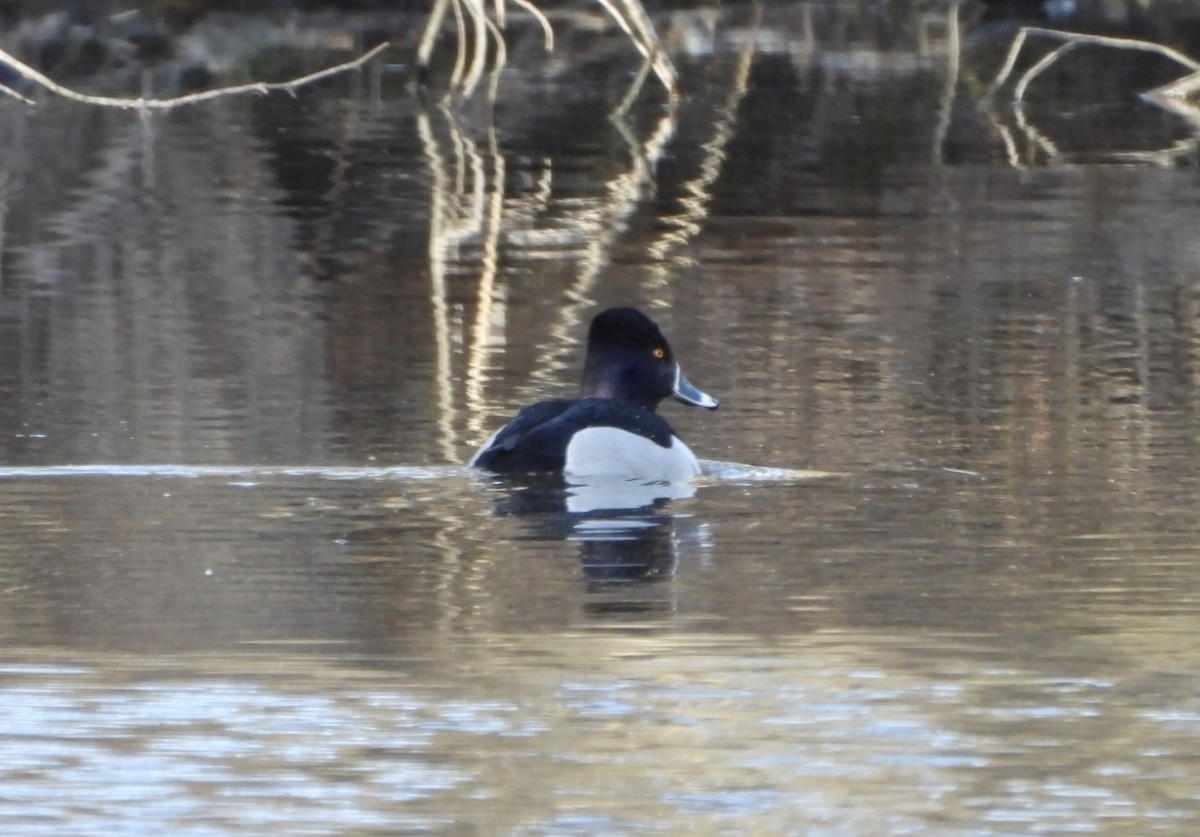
x=479, y=29
x=464, y=44
x=454, y=52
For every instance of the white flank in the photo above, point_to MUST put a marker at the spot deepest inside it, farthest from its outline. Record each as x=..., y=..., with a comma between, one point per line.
x=610, y=452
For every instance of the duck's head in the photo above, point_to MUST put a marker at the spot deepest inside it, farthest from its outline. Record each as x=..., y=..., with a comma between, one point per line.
x=630, y=360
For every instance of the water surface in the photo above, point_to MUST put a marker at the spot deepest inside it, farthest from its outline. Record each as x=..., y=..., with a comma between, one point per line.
x=939, y=575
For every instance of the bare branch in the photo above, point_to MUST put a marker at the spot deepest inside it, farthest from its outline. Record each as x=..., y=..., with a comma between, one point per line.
x=636, y=24
x=1180, y=88
x=1075, y=39
x=1038, y=68
x=547, y=30
x=1173, y=96
x=476, y=23
x=144, y=104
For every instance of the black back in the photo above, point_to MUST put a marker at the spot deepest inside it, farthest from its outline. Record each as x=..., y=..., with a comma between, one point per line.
x=537, y=439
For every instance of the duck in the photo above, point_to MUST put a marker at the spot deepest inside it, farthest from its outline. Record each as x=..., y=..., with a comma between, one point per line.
x=612, y=430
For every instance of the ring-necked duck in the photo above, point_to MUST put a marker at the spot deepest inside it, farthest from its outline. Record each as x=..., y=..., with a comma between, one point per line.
x=612, y=430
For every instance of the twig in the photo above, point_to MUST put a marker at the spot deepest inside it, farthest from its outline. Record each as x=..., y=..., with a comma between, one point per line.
x=547, y=29
x=1075, y=39
x=1010, y=60
x=1180, y=88
x=1172, y=96
x=636, y=25
x=1038, y=68
x=636, y=88
x=144, y=104
x=475, y=23
x=429, y=37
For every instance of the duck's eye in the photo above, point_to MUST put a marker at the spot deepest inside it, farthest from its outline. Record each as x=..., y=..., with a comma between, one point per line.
x=659, y=352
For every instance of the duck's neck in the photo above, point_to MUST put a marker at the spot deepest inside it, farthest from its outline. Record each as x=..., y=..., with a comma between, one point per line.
x=617, y=383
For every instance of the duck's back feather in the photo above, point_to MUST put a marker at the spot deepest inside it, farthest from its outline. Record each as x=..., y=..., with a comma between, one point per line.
x=538, y=437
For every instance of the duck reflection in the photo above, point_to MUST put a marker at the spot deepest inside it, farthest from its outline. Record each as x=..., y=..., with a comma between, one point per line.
x=624, y=531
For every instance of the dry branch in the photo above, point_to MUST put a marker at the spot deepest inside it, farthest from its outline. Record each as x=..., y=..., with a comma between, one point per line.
x=1173, y=96
x=144, y=104
x=1177, y=88
x=476, y=25
x=486, y=28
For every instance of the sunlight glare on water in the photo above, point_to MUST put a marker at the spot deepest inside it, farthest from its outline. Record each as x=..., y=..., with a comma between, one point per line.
x=815, y=723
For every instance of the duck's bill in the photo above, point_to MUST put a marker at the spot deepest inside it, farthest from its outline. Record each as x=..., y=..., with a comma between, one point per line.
x=688, y=394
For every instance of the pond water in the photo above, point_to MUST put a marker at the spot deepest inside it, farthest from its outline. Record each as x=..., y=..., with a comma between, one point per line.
x=941, y=574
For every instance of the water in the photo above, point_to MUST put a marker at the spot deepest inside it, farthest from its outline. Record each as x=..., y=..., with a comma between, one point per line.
x=939, y=575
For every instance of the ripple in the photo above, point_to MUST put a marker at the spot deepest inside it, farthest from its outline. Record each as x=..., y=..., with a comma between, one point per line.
x=737, y=472
x=234, y=471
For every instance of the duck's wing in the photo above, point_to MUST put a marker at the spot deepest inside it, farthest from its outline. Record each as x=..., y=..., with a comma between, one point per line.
x=529, y=442
x=537, y=439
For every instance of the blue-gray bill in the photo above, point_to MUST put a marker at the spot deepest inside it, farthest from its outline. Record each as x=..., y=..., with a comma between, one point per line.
x=688, y=394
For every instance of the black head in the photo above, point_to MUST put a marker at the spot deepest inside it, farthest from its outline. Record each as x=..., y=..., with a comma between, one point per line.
x=630, y=360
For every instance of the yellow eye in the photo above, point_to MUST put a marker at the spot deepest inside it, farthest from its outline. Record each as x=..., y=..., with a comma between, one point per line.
x=660, y=352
